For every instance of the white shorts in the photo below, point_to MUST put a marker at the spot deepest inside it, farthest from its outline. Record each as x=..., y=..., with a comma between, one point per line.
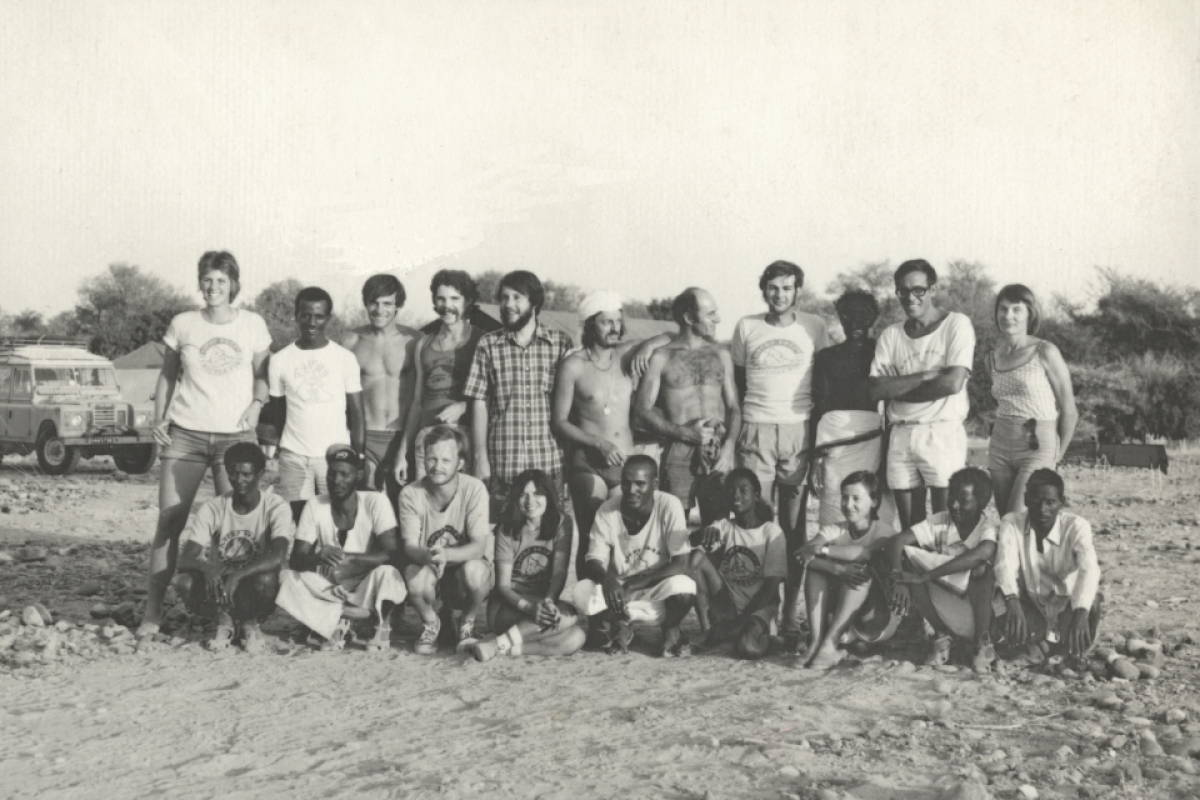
x=925, y=455
x=648, y=606
x=300, y=477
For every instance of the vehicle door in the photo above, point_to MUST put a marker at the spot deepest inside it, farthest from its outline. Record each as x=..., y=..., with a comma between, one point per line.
x=5, y=408
x=20, y=406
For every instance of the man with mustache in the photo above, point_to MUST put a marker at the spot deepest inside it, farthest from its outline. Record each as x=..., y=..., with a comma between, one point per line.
x=386, y=356
x=509, y=387
x=688, y=398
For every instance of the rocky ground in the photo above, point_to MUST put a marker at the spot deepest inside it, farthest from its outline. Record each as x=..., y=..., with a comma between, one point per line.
x=81, y=711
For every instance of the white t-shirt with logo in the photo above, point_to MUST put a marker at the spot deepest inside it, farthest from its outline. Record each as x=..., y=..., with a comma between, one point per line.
x=663, y=537
x=464, y=520
x=217, y=381
x=779, y=366
x=315, y=383
x=234, y=540
x=952, y=344
x=751, y=556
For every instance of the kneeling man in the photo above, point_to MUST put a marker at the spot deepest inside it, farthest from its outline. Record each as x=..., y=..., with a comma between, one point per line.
x=447, y=539
x=232, y=551
x=942, y=567
x=1047, y=570
x=637, y=563
x=343, y=563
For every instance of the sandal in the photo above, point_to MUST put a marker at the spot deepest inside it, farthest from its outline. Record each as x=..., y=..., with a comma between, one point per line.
x=381, y=641
x=337, y=639
x=221, y=639
x=620, y=639
x=939, y=651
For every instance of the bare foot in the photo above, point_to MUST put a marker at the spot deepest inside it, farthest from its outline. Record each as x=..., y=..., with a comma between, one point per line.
x=825, y=658
x=381, y=641
x=253, y=641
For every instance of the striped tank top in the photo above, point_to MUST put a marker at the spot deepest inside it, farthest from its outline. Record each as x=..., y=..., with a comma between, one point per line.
x=1023, y=392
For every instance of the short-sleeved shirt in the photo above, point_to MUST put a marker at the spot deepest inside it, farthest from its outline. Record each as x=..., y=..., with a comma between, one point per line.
x=779, y=366
x=374, y=517
x=532, y=558
x=838, y=534
x=234, y=540
x=938, y=534
x=516, y=382
x=315, y=384
x=751, y=556
x=444, y=374
x=216, y=385
x=663, y=537
x=951, y=344
x=462, y=521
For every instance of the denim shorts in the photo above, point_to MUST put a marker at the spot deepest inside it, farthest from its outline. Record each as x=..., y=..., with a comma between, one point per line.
x=201, y=447
x=300, y=477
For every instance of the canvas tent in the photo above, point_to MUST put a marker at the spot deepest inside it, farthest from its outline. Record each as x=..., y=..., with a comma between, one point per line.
x=137, y=371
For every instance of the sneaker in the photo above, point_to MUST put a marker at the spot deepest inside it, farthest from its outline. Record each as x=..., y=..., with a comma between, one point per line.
x=427, y=641
x=984, y=656
x=485, y=649
x=466, y=635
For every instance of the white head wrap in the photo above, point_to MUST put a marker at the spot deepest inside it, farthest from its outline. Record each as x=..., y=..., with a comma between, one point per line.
x=598, y=301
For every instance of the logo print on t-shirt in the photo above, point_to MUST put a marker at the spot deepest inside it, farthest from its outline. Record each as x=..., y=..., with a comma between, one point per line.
x=776, y=355
x=220, y=356
x=532, y=562
x=311, y=380
x=740, y=566
x=448, y=536
x=237, y=548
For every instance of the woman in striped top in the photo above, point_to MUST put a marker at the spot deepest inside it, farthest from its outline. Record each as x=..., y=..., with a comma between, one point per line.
x=1036, y=416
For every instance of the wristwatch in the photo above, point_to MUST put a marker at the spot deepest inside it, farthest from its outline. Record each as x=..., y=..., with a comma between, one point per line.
x=824, y=550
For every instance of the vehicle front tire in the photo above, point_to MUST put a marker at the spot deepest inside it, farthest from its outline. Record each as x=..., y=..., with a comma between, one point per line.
x=136, y=459
x=54, y=457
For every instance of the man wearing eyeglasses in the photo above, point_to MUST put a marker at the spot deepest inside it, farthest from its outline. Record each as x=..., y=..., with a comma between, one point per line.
x=921, y=368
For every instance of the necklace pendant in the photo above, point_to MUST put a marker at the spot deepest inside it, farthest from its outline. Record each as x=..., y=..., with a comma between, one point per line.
x=607, y=411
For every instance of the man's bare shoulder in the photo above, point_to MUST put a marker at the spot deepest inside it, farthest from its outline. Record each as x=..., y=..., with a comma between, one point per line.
x=573, y=363
x=351, y=337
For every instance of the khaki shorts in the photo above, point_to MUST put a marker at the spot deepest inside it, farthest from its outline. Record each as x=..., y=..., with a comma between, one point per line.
x=775, y=453
x=925, y=455
x=301, y=477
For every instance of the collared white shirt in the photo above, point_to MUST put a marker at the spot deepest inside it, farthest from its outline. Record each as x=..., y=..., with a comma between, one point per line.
x=1066, y=571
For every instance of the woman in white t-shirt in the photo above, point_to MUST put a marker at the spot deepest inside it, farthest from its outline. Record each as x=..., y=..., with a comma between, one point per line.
x=533, y=555
x=208, y=397
x=842, y=592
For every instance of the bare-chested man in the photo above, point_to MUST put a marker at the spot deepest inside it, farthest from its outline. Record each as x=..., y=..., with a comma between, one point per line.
x=385, y=352
x=593, y=390
x=688, y=397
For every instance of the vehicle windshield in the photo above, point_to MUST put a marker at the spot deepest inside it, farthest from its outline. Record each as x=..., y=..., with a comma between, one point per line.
x=67, y=379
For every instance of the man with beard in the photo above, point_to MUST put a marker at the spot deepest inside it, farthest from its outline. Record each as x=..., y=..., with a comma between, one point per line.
x=592, y=393
x=443, y=361
x=1047, y=570
x=637, y=564
x=385, y=351
x=448, y=543
x=509, y=385
x=941, y=567
x=343, y=560
x=688, y=398
x=921, y=368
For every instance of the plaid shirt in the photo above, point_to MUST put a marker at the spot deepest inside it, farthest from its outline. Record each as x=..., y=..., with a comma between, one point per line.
x=517, y=382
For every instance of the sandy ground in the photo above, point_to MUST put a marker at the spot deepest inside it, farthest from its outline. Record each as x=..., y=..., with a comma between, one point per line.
x=85, y=716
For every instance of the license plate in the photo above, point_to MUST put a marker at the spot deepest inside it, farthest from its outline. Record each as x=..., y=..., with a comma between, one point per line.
x=112, y=439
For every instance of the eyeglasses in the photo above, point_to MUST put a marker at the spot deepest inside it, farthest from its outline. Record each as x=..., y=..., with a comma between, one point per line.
x=916, y=291
x=1031, y=428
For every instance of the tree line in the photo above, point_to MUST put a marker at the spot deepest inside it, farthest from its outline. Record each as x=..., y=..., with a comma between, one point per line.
x=1133, y=353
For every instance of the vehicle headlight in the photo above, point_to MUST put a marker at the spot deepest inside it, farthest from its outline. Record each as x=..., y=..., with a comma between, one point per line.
x=73, y=421
x=141, y=420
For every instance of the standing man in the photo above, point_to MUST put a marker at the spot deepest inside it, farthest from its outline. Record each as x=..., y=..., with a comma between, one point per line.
x=637, y=563
x=773, y=356
x=921, y=368
x=385, y=352
x=688, y=398
x=509, y=387
x=592, y=396
x=318, y=380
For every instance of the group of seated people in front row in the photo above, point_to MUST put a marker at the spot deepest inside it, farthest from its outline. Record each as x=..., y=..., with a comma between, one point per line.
x=1028, y=584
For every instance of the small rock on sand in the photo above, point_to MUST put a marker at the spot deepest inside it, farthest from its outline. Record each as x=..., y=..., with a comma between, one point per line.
x=1027, y=792
x=1175, y=716
x=6, y=558
x=1121, y=668
x=32, y=553
x=964, y=791
x=89, y=588
x=32, y=617
x=99, y=611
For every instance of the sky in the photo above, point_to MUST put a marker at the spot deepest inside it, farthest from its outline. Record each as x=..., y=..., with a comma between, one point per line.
x=642, y=147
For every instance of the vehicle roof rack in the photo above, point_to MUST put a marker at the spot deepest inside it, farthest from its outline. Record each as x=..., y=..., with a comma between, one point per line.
x=10, y=343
